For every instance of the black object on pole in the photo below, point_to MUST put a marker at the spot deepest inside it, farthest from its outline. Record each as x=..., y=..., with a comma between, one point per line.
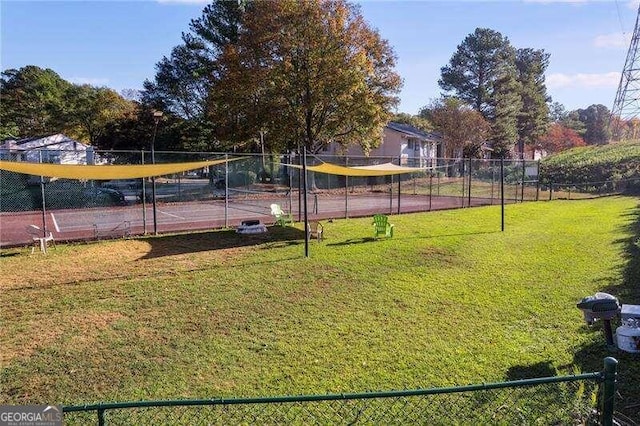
x=304, y=190
x=156, y=118
x=502, y=192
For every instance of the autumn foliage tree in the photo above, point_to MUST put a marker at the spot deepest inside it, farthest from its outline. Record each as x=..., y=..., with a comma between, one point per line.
x=463, y=129
x=309, y=73
x=560, y=138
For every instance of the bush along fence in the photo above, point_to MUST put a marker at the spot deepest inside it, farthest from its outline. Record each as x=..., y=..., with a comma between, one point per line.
x=224, y=195
x=578, y=399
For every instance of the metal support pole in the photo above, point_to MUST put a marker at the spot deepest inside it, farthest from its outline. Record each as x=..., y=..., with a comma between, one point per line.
x=290, y=183
x=469, y=185
x=156, y=119
x=304, y=189
x=609, y=391
x=346, y=191
x=493, y=178
x=226, y=191
x=399, y=188
x=144, y=199
x=430, y=188
x=464, y=181
x=44, y=208
x=524, y=176
x=300, y=188
x=391, y=196
x=538, y=182
x=44, y=204
x=502, y=193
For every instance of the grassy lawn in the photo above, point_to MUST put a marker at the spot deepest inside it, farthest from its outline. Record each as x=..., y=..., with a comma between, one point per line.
x=450, y=300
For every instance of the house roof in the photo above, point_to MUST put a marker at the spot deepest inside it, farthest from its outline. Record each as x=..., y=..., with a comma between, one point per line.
x=413, y=132
x=41, y=141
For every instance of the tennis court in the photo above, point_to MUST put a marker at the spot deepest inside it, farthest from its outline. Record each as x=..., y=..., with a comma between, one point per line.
x=119, y=221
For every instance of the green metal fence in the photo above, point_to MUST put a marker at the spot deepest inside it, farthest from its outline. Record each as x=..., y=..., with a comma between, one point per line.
x=578, y=399
x=225, y=195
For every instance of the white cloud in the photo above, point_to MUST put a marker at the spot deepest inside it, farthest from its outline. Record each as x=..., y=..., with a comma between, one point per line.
x=633, y=4
x=615, y=40
x=91, y=81
x=604, y=80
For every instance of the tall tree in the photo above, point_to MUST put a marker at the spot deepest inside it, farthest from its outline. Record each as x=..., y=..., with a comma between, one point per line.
x=183, y=80
x=90, y=109
x=463, y=129
x=596, y=121
x=475, y=67
x=507, y=105
x=31, y=102
x=533, y=118
x=310, y=72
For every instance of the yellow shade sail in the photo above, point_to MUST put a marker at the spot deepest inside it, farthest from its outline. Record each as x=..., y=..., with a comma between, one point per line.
x=110, y=172
x=385, y=169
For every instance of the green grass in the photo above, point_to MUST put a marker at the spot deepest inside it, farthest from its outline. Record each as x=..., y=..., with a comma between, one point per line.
x=450, y=300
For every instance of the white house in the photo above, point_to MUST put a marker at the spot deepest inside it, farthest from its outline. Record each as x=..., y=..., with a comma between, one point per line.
x=58, y=149
x=413, y=146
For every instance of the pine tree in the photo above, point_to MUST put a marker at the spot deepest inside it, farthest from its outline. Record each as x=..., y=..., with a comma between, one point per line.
x=507, y=105
x=533, y=118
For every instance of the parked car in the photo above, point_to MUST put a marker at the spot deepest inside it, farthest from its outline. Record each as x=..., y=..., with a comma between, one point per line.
x=104, y=197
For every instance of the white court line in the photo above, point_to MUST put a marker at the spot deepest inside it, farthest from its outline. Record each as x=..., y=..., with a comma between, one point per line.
x=172, y=215
x=55, y=222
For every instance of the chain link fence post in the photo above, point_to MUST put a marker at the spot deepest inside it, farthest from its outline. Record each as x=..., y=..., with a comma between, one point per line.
x=609, y=392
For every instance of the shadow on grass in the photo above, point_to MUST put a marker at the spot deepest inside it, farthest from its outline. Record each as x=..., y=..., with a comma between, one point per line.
x=353, y=241
x=372, y=239
x=539, y=369
x=170, y=245
x=589, y=358
x=12, y=253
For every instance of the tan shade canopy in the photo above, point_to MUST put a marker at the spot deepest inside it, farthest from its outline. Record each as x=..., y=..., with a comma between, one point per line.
x=93, y=172
x=385, y=169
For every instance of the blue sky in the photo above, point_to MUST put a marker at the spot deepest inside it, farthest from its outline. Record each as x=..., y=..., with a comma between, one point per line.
x=117, y=43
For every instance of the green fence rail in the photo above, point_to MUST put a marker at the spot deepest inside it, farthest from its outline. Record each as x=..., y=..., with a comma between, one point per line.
x=577, y=399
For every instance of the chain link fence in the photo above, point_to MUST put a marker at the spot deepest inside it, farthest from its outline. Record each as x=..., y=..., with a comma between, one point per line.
x=579, y=399
x=225, y=195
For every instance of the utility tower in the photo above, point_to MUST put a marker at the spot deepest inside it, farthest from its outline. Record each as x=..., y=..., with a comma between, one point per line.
x=626, y=107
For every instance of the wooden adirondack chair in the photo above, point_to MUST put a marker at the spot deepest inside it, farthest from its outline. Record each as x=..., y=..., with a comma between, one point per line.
x=382, y=226
x=282, y=217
